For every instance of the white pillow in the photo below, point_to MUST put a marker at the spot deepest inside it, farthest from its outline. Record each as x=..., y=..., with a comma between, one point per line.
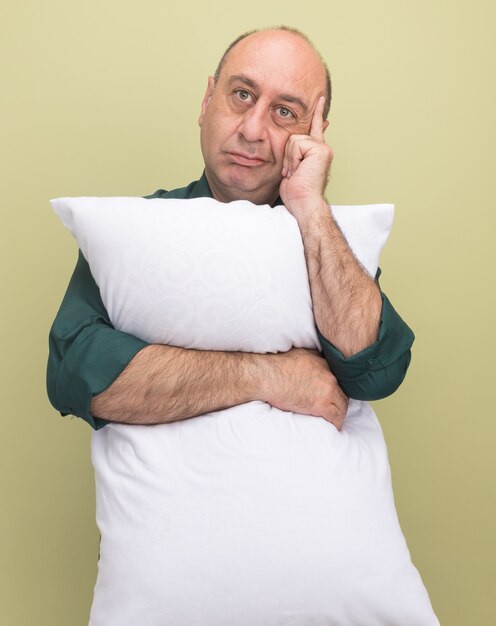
x=248, y=516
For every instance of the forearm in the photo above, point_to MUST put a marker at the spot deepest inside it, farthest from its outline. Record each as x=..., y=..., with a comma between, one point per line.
x=164, y=384
x=346, y=300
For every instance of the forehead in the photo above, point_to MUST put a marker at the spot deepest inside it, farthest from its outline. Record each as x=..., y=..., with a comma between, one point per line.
x=277, y=61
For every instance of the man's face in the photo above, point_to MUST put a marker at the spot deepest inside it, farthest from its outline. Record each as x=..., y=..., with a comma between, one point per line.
x=267, y=90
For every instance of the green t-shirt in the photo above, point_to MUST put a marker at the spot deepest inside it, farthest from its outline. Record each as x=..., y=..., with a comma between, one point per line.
x=87, y=353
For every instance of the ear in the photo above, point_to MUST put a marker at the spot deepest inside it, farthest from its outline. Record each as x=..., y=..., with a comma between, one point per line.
x=206, y=98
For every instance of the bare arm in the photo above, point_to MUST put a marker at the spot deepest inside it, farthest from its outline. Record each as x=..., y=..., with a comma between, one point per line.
x=346, y=301
x=164, y=384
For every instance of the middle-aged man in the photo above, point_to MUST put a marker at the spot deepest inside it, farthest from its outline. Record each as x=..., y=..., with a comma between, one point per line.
x=262, y=123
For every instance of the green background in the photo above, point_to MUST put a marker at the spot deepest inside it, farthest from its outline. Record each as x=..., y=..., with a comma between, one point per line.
x=102, y=98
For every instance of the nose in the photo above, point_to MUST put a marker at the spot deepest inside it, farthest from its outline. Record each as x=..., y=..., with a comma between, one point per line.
x=253, y=126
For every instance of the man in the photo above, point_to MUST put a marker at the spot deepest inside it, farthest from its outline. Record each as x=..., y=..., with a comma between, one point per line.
x=262, y=136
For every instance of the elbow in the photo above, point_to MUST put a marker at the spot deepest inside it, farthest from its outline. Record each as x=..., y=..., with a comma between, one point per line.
x=378, y=383
x=51, y=382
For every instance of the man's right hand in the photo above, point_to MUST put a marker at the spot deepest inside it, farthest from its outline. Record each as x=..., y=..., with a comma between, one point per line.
x=164, y=384
x=300, y=381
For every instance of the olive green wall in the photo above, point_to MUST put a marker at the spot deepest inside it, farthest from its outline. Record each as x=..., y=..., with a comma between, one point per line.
x=101, y=98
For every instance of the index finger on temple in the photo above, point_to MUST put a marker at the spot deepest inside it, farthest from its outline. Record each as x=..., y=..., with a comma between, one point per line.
x=317, y=126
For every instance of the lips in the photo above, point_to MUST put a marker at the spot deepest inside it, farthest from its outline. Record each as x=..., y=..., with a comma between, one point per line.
x=248, y=160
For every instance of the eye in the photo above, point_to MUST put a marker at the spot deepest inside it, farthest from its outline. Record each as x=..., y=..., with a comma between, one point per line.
x=285, y=113
x=243, y=95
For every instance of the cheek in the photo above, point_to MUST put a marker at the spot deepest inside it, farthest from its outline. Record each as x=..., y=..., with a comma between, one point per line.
x=221, y=129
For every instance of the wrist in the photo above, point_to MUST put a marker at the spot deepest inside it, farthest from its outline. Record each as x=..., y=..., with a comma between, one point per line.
x=267, y=375
x=253, y=374
x=314, y=220
x=310, y=210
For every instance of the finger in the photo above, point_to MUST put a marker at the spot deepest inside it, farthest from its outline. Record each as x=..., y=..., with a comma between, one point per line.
x=285, y=160
x=336, y=419
x=335, y=414
x=340, y=410
x=296, y=148
x=317, y=126
x=292, y=156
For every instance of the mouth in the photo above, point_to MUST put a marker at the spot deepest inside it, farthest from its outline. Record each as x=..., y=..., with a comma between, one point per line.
x=248, y=160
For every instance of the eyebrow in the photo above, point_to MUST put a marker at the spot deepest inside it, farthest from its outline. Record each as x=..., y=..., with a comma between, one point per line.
x=282, y=96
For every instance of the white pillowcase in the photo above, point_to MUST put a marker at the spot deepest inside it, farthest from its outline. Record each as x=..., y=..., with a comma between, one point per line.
x=248, y=516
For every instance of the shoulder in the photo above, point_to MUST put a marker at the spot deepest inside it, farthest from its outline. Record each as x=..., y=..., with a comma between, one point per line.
x=196, y=189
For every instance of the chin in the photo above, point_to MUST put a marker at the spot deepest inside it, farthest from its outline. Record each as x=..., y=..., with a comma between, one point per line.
x=234, y=182
x=257, y=196
x=247, y=188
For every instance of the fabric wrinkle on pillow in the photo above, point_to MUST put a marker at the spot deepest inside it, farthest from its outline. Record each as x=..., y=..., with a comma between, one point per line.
x=250, y=516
